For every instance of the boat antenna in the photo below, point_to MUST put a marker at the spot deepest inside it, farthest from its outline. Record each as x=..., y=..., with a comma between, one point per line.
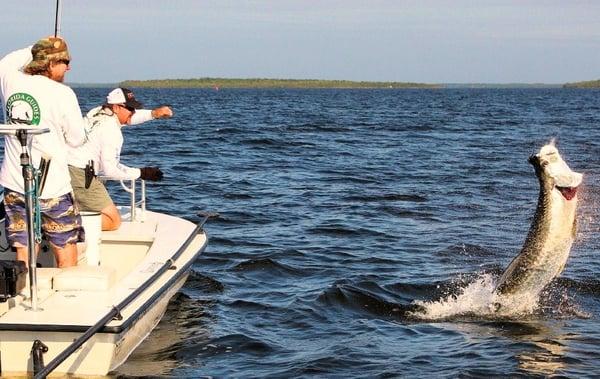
x=57, y=19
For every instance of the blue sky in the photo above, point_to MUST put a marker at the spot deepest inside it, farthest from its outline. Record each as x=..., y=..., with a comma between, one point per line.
x=417, y=41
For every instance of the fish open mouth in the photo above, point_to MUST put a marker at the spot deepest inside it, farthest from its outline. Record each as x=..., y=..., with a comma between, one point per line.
x=567, y=192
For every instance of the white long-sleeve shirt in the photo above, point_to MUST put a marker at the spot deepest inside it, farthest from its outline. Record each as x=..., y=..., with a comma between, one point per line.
x=104, y=143
x=37, y=100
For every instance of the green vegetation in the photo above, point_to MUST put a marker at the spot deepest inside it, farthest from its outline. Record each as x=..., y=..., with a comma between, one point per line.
x=268, y=83
x=315, y=83
x=586, y=84
x=501, y=85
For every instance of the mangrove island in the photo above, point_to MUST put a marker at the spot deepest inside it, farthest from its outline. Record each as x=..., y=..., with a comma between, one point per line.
x=585, y=84
x=268, y=83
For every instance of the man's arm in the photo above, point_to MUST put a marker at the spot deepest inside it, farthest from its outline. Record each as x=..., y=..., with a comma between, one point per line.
x=143, y=115
x=15, y=61
x=110, y=156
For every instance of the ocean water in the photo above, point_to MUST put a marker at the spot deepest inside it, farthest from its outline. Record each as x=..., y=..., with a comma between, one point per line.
x=342, y=209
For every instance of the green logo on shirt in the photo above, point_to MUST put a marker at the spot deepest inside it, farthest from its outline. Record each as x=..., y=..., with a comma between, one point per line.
x=22, y=108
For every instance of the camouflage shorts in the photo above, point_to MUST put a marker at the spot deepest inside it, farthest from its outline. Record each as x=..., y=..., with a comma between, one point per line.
x=61, y=221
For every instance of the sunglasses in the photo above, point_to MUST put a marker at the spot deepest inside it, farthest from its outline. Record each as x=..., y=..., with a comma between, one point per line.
x=65, y=61
x=130, y=109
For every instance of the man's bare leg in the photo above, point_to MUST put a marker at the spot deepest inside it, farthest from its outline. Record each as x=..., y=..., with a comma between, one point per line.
x=111, y=218
x=23, y=253
x=66, y=256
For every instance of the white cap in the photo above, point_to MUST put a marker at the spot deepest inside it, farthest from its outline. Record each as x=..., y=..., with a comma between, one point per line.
x=123, y=96
x=116, y=96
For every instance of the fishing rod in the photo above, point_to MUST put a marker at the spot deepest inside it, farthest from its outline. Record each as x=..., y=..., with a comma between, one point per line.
x=57, y=19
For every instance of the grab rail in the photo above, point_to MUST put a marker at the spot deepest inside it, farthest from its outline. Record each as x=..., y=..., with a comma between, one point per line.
x=132, y=192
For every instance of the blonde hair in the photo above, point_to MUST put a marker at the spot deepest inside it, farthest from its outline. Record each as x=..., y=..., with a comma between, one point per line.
x=41, y=68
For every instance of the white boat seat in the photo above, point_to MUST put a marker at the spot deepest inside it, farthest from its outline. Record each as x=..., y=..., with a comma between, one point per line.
x=84, y=278
x=132, y=231
x=45, y=276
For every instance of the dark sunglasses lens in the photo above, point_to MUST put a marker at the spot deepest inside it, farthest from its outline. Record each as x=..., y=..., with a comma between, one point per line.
x=65, y=61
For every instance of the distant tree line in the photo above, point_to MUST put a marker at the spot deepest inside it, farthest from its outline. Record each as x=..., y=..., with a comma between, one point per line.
x=585, y=84
x=268, y=83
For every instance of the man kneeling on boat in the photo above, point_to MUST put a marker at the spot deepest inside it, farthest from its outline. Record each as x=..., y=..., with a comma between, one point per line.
x=102, y=150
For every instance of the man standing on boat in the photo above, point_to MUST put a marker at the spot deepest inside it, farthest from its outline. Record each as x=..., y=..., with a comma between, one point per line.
x=33, y=94
x=103, y=149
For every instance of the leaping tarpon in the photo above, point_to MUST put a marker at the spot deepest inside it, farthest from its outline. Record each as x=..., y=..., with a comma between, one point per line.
x=552, y=232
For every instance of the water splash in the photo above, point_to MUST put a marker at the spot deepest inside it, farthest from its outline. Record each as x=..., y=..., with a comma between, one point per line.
x=478, y=300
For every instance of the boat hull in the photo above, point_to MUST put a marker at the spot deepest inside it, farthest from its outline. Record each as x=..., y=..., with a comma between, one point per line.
x=113, y=343
x=144, y=326
x=109, y=350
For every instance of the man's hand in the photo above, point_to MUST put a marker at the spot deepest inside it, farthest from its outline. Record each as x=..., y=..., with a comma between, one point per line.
x=151, y=173
x=162, y=112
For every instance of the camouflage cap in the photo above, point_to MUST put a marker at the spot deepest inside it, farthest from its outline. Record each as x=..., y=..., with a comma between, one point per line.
x=46, y=49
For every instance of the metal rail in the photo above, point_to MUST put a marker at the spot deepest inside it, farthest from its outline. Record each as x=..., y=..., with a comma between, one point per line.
x=132, y=192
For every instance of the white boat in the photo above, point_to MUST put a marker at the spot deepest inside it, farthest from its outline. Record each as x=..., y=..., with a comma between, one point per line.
x=87, y=319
